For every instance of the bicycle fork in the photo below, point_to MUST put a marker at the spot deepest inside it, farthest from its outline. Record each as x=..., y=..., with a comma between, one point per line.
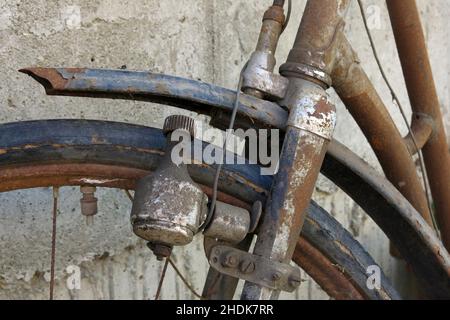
x=310, y=127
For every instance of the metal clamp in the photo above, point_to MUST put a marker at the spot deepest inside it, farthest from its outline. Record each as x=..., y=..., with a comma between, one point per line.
x=271, y=84
x=306, y=70
x=256, y=269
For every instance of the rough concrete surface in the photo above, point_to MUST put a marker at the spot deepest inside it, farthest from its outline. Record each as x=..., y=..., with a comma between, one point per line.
x=202, y=39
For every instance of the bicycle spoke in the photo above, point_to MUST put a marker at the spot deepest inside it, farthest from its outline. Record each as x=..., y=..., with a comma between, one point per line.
x=212, y=288
x=161, y=280
x=188, y=285
x=53, y=254
x=129, y=195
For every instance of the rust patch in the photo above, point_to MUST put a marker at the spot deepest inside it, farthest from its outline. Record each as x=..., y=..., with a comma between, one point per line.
x=50, y=78
x=418, y=74
x=162, y=89
x=343, y=248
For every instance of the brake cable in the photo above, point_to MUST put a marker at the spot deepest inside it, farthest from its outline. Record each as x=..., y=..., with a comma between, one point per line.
x=231, y=126
x=219, y=166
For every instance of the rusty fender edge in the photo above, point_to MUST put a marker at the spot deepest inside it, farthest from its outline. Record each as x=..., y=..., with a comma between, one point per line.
x=190, y=94
x=398, y=219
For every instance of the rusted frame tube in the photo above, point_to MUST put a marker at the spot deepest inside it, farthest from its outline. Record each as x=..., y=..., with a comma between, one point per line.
x=406, y=24
x=422, y=127
x=310, y=127
x=313, y=54
x=365, y=105
x=279, y=3
x=321, y=50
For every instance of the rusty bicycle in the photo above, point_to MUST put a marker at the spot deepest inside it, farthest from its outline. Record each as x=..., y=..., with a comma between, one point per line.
x=254, y=225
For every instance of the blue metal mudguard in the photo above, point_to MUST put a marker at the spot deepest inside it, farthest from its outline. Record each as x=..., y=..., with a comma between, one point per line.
x=160, y=88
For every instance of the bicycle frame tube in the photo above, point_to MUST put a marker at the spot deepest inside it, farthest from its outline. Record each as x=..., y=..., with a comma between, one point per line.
x=416, y=66
x=313, y=53
x=365, y=105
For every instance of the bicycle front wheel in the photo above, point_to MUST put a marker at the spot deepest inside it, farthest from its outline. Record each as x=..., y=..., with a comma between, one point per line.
x=116, y=155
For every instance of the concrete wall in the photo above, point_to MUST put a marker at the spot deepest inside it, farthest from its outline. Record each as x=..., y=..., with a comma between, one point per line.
x=202, y=39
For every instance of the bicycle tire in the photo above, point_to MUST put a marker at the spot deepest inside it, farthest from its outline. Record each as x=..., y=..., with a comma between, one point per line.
x=72, y=144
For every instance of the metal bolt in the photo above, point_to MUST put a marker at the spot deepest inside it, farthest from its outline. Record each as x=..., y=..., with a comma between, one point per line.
x=161, y=251
x=247, y=266
x=88, y=203
x=295, y=281
x=276, y=276
x=230, y=261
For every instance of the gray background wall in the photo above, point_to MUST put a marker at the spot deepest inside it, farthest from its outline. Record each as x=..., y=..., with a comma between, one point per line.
x=202, y=39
